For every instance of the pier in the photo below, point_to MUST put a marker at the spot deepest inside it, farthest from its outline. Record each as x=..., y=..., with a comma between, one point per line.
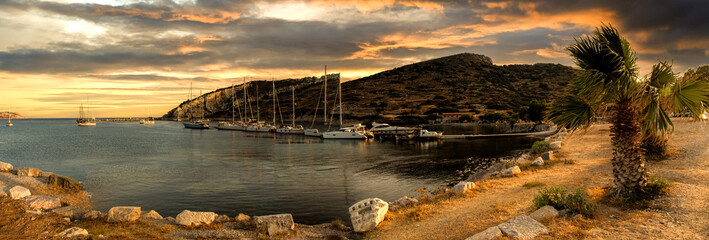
x=476, y=136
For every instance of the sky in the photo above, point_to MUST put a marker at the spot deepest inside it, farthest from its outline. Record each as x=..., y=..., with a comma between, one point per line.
x=137, y=58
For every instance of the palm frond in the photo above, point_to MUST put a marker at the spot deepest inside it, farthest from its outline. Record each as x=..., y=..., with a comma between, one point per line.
x=655, y=119
x=661, y=75
x=572, y=112
x=689, y=95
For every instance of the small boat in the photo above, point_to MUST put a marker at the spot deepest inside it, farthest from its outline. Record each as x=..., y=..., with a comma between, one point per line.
x=197, y=124
x=83, y=121
x=354, y=132
x=148, y=120
x=233, y=125
x=383, y=130
x=9, y=123
x=312, y=132
x=292, y=129
x=428, y=135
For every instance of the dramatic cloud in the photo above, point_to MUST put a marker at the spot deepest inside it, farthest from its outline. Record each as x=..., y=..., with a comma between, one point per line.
x=139, y=48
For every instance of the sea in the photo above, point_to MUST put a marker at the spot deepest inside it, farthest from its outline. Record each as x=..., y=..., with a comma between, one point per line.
x=168, y=168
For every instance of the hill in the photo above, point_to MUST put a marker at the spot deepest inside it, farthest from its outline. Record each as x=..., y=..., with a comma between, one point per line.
x=13, y=114
x=455, y=83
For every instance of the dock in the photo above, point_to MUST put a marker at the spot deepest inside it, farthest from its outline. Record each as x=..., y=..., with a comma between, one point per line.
x=477, y=136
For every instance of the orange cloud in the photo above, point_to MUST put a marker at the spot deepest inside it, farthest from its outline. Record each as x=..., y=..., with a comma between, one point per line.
x=206, y=16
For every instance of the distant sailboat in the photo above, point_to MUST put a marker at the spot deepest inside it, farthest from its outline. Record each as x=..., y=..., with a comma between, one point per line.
x=83, y=121
x=9, y=116
x=233, y=125
x=196, y=124
x=314, y=132
x=292, y=129
x=357, y=131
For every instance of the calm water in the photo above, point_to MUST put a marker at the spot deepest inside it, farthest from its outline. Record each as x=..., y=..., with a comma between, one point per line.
x=169, y=168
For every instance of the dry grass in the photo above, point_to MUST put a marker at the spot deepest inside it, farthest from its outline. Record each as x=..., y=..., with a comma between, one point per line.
x=533, y=184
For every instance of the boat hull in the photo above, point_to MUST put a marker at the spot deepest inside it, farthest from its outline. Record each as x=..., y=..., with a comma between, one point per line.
x=86, y=124
x=195, y=125
x=312, y=133
x=343, y=135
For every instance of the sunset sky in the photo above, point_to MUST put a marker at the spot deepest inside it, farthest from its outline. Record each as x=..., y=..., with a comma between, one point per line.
x=134, y=58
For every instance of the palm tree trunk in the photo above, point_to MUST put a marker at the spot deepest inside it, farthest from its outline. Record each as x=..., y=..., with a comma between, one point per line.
x=630, y=176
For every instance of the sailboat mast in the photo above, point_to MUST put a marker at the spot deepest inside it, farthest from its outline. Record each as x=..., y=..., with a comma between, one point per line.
x=258, y=110
x=274, y=101
x=339, y=92
x=188, y=106
x=245, y=99
x=293, y=94
x=325, y=106
x=233, y=99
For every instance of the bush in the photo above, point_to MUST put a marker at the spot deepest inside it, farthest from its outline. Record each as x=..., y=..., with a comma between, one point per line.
x=560, y=198
x=540, y=147
x=533, y=184
x=553, y=196
x=658, y=186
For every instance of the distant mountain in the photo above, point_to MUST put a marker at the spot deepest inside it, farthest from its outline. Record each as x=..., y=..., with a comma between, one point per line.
x=455, y=83
x=13, y=114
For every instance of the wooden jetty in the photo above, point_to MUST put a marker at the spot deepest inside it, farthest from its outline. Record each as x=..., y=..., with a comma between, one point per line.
x=551, y=131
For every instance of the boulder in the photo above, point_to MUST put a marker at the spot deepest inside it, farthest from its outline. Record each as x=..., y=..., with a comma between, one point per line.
x=488, y=234
x=123, y=214
x=242, y=217
x=188, y=218
x=367, y=214
x=222, y=218
x=64, y=182
x=42, y=202
x=275, y=224
x=74, y=232
x=402, y=202
x=5, y=166
x=547, y=155
x=18, y=192
x=544, y=212
x=463, y=187
x=555, y=145
x=93, y=214
x=28, y=172
x=522, y=227
x=538, y=162
x=170, y=219
x=70, y=212
x=511, y=171
x=45, y=174
x=151, y=215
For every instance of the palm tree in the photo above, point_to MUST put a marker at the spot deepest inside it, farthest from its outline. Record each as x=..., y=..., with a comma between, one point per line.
x=608, y=84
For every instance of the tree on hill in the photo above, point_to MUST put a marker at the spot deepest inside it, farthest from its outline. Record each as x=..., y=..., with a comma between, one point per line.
x=609, y=82
x=534, y=111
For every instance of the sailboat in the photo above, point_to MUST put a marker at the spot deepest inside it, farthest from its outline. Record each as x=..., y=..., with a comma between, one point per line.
x=83, y=121
x=357, y=131
x=147, y=121
x=292, y=129
x=314, y=132
x=196, y=124
x=9, y=116
x=233, y=125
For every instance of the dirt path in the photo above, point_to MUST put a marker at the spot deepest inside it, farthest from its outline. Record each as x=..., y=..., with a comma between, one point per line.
x=684, y=217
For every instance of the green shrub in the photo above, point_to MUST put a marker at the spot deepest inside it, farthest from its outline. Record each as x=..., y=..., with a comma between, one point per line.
x=576, y=202
x=540, y=147
x=658, y=186
x=560, y=198
x=533, y=184
x=553, y=196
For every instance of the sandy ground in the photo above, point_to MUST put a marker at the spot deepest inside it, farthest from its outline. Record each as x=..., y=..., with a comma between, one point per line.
x=684, y=214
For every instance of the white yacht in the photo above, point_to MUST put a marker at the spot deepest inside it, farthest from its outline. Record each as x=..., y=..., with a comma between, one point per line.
x=83, y=121
x=292, y=129
x=9, y=116
x=354, y=132
x=312, y=132
x=428, y=135
x=147, y=121
x=383, y=129
x=197, y=124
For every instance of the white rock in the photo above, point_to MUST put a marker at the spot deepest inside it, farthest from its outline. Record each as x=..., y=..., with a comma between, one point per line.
x=367, y=214
x=555, y=145
x=511, y=171
x=42, y=202
x=123, y=214
x=547, y=155
x=538, y=162
x=18, y=192
x=463, y=187
x=187, y=218
x=488, y=234
x=29, y=172
x=151, y=215
x=522, y=227
x=5, y=166
x=74, y=232
x=275, y=224
x=544, y=212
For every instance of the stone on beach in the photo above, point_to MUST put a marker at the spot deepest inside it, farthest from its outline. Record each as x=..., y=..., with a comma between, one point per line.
x=547, y=155
x=367, y=214
x=123, y=214
x=402, y=202
x=152, y=214
x=555, y=145
x=187, y=218
x=93, y=214
x=523, y=227
x=242, y=217
x=511, y=171
x=74, y=232
x=275, y=224
x=544, y=212
x=64, y=182
x=18, y=192
x=538, y=162
x=28, y=172
x=463, y=187
x=488, y=234
x=5, y=166
x=45, y=174
x=42, y=202
x=69, y=211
